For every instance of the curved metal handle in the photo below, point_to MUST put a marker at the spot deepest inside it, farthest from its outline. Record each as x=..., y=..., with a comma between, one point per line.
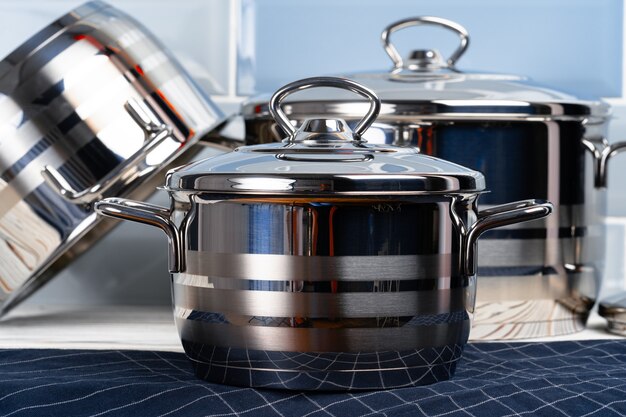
x=156, y=133
x=503, y=215
x=283, y=121
x=419, y=21
x=136, y=211
x=303, y=158
x=603, y=161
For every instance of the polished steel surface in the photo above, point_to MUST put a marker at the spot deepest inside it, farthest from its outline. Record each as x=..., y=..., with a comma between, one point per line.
x=317, y=82
x=324, y=156
x=96, y=103
x=156, y=133
x=613, y=309
x=495, y=217
x=300, y=277
x=321, y=274
x=528, y=142
x=350, y=268
x=328, y=371
x=325, y=335
x=427, y=60
x=419, y=90
x=197, y=292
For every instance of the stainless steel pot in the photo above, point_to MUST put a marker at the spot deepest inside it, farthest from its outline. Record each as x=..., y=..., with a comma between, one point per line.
x=96, y=103
x=323, y=262
x=537, y=279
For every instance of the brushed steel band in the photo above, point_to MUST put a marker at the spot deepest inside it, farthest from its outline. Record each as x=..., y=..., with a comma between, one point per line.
x=323, y=340
x=272, y=267
x=491, y=252
x=35, y=143
x=531, y=252
x=321, y=305
x=420, y=284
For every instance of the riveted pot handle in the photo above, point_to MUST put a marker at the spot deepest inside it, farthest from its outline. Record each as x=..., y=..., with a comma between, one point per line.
x=506, y=214
x=156, y=133
x=121, y=208
x=419, y=21
x=283, y=121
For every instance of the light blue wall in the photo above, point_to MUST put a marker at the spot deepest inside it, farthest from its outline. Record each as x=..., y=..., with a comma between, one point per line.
x=570, y=45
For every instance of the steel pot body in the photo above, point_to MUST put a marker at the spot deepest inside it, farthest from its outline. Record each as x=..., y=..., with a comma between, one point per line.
x=331, y=294
x=540, y=278
x=537, y=279
x=323, y=262
x=91, y=106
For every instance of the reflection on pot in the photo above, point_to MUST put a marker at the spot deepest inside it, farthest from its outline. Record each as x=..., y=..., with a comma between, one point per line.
x=324, y=262
x=528, y=141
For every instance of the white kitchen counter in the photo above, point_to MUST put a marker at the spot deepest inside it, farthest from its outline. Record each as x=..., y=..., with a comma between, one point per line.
x=115, y=327
x=137, y=328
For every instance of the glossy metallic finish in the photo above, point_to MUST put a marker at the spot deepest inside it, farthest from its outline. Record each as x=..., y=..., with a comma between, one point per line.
x=369, y=286
x=427, y=59
x=537, y=279
x=91, y=106
x=334, y=295
x=613, y=309
x=338, y=294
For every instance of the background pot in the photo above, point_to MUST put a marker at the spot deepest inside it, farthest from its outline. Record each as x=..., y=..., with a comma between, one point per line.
x=323, y=262
x=538, y=279
x=96, y=103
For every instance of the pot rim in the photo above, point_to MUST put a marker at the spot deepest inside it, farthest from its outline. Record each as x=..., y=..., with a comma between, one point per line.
x=453, y=109
x=313, y=185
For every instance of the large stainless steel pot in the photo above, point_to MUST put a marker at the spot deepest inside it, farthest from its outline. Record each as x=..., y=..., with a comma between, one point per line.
x=323, y=262
x=98, y=104
x=537, y=279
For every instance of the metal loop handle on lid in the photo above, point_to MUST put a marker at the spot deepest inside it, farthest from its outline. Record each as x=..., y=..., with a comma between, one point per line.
x=283, y=121
x=419, y=21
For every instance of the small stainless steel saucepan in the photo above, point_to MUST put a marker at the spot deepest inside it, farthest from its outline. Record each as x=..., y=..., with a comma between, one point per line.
x=323, y=262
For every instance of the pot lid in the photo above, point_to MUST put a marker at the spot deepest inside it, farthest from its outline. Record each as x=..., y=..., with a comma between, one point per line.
x=324, y=156
x=425, y=83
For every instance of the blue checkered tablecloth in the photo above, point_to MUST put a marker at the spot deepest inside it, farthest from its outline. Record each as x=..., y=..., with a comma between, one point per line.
x=583, y=378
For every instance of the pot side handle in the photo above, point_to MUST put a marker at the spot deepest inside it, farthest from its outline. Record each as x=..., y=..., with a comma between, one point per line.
x=603, y=161
x=156, y=133
x=503, y=215
x=121, y=208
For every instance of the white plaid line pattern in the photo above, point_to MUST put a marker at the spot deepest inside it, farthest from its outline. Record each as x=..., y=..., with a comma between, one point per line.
x=585, y=378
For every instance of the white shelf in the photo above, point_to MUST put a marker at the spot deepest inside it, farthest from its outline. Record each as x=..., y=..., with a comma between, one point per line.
x=136, y=328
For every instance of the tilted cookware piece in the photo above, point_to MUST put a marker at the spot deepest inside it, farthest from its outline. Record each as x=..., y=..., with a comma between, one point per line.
x=91, y=106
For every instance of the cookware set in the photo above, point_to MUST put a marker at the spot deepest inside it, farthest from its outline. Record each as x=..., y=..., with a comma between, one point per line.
x=338, y=249
x=283, y=255
x=537, y=279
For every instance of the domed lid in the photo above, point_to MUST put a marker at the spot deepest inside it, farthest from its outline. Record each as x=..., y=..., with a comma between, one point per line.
x=427, y=84
x=325, y=156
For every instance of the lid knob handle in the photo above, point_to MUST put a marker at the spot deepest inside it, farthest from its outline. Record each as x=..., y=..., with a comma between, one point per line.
x=283, y=121
x=419, y=21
